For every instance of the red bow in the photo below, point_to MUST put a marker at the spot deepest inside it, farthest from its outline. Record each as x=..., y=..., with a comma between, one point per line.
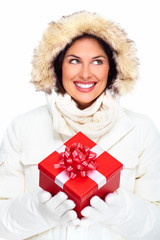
x=77, y=160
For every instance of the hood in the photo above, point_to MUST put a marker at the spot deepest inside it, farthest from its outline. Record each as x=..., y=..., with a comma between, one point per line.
x=59, y=34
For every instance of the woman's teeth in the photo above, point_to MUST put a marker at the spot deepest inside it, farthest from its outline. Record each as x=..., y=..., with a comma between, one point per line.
x=82, y=85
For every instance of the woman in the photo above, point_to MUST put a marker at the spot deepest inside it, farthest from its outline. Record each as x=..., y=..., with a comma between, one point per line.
x=83, y=63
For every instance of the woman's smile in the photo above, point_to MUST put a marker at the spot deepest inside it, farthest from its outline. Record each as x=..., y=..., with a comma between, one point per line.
x=85, y=71
x=84, y=86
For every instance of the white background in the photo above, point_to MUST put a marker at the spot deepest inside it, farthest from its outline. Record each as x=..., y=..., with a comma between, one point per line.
x=22, y=23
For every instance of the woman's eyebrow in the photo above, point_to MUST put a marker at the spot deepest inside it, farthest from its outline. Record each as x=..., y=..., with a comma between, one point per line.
x=99, y=57
x=72, y=55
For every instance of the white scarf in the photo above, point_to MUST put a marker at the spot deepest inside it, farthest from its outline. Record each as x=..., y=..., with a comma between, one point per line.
x=93, y=121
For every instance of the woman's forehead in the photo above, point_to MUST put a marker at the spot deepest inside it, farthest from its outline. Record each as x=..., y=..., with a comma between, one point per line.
x=85, y=45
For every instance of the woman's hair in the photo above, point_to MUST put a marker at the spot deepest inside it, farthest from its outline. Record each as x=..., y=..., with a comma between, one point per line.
x=57, y=63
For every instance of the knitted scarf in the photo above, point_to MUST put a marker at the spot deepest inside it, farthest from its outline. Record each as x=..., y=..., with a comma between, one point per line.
x=93, y=121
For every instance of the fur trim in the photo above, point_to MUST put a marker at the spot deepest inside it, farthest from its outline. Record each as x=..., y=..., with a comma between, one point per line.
x=59, y=34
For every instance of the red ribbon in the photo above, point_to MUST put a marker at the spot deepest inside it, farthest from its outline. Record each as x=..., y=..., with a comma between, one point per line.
x=77, y=160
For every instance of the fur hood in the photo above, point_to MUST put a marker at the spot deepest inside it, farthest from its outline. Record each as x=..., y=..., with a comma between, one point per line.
x=59, y=34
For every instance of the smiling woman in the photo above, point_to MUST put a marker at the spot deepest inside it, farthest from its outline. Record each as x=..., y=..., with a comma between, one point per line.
x=107, y=52
x=85, y=71
x=83, y=63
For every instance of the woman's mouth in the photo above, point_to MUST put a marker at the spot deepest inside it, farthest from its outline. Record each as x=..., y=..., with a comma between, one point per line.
x=85, y=86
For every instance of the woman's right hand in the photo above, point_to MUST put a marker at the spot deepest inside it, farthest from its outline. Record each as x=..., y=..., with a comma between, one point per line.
x=58, y=208
x=35, y=212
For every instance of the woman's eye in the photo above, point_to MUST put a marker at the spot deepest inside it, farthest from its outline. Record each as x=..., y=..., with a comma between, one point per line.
x=98, y=61
x=74, y=61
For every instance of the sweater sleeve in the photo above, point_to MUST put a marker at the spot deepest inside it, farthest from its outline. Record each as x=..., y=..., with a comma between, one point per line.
x=11, y=169
x=19, y=210
x=147, y=183
x=143, y=218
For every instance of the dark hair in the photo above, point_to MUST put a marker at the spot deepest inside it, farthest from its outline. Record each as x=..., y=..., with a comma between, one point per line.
x=57, y=63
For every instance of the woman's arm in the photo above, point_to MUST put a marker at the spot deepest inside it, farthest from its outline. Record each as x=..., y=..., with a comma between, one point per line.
x=135, y=216
x=24, y=214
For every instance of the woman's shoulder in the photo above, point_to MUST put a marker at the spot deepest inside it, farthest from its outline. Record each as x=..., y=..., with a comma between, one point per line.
x=32, y=118
x=33, y=113
x=135, y=116
x=142, y=121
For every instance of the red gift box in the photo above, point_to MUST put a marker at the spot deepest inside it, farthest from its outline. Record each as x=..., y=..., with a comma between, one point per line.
x=105, y=179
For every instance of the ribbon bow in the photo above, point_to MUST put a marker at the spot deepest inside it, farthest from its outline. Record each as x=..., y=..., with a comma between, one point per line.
x=77, y=160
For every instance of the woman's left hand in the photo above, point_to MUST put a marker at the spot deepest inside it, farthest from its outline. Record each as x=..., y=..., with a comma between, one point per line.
x=109, y=211
x=126, y=213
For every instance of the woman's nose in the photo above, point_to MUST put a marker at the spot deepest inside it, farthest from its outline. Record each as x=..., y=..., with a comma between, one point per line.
x=85, y=72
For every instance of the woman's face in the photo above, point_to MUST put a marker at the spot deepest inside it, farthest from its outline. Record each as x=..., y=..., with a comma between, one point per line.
x=85, y=71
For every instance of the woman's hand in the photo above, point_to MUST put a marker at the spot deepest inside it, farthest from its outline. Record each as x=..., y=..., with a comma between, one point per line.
x=34, y=212
x=110, y=211
x=126, y=213
x=58, y=209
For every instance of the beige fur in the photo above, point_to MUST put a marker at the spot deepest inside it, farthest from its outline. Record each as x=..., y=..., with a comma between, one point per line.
x=58, y=34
